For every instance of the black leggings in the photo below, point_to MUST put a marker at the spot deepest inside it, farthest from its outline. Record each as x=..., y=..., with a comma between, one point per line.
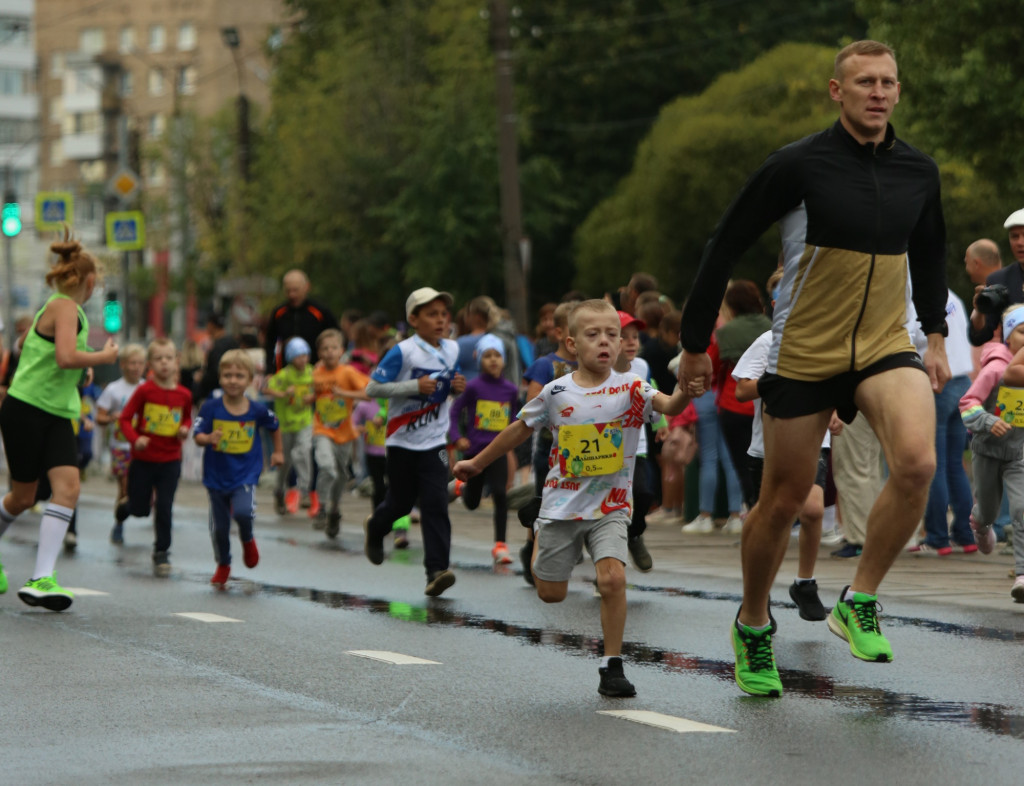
x=642, y=497
x=736, y=429
x=495, y=475
x=422, y=475
x=377, y=466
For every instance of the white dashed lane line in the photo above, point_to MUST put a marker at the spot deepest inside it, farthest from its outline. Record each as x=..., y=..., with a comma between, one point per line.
x=395, y=658
x=203, y=616
x=666, y=722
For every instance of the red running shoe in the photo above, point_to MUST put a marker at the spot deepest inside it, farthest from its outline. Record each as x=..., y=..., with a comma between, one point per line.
x=251, y=554
x=291, y=500
x=314, y=504
x=220, y=576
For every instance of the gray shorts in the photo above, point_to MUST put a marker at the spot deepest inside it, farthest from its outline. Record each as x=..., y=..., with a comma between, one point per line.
x=560, y=544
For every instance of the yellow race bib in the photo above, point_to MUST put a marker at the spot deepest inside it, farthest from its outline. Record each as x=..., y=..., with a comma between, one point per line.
x=161, y=420
x=1010, y=405
x=236, y=436
x=491, y=415
x=590, y=449
x=331, y=412
x=376, y=435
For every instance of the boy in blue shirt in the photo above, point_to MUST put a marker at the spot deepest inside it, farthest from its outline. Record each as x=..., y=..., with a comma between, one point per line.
x=229, y=428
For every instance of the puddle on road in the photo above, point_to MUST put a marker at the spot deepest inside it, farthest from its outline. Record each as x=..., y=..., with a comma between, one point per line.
x=994, y=718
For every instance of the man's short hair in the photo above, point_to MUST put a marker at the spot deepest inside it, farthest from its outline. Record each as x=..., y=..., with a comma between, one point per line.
x=330, y=333
x=866, y=47
x=986, y=252
x=240, y=358
x=585, y=307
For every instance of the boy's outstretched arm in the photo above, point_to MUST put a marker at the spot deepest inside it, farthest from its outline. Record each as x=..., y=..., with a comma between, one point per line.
x=514, y=435
x=676, y=403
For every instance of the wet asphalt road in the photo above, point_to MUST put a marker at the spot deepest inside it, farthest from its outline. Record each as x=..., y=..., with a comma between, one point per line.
x=122, y=689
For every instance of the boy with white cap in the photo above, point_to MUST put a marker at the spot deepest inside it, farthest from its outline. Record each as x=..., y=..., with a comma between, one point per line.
x=418, y=375
x=292, y=391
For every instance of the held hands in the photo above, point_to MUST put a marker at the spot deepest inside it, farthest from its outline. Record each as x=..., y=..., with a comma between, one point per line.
x=695, y=373
x=465, y=469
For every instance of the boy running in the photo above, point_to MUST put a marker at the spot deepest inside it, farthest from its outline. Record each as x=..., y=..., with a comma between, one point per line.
x=595, y=416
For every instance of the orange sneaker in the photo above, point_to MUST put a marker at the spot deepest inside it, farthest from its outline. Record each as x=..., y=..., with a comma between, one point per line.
x=291, y=500
x=500, y=554
x=314, y=504
x=220, y=576
x=250, y=553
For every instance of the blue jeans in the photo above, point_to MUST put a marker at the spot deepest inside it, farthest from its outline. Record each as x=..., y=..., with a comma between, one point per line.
x=237, y=504
x=713, y=451
x=950, y=487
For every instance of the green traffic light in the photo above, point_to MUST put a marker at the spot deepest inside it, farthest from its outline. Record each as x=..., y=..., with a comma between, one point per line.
x=10, y=219
x=112, y=316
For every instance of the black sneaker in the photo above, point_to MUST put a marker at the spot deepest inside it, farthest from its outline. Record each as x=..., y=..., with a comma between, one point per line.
x=847, y=551
x=373, y=547
x=805, y=596
x=638, y=552
x=279, y=507
x=161, y=564
x=333, y=524
x=614, y=682
x=438, y=582
x=117, y=534
x=526, y=558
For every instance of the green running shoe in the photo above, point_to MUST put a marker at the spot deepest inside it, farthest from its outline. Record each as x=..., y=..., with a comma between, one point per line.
x=3, y=580
x=46, y=592
x=755, y=661
x=856, y=621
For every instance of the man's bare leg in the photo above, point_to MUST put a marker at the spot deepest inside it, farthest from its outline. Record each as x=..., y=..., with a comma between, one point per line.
x=900, y=406
x=791, y=448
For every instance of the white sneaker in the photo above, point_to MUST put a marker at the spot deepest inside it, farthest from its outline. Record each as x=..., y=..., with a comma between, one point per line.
x=734, y=526
x=832, y=537
x=664, y=516
x=702, y=525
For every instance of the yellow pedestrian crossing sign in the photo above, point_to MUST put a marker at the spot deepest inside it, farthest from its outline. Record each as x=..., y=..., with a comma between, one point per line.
x=54, y=209
x=126, y=231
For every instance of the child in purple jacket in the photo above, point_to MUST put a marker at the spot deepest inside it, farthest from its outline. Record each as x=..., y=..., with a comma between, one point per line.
x=491, y=402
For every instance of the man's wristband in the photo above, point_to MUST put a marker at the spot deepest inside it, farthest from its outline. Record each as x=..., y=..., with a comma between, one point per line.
x=939, y=327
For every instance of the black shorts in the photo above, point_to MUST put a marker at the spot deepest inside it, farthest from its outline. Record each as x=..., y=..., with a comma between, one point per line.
x=35, y=441
x=784, y=397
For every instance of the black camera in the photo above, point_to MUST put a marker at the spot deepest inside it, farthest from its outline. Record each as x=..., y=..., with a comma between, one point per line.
x=992, y=299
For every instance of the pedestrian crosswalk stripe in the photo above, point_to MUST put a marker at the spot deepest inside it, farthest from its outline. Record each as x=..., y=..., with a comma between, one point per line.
x=81, y=592
x=395, y=658
x=662, y=721
x=202, y=616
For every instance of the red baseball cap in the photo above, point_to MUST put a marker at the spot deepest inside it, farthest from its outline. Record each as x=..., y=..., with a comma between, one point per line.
x=625, y=320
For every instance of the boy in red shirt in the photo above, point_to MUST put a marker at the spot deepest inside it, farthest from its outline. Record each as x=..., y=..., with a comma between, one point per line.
x=155, y=420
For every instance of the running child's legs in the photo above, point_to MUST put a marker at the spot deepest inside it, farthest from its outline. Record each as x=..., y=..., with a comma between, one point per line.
x=642, y=497
x=220, y=525
x=288, y=439
x=302, y=459
x=165, y=483
x=495, y=476
x=332, y=460
x=1013, y=477
x=403, y=488
x=988, y=488
x=435, y=526
x=378, y=468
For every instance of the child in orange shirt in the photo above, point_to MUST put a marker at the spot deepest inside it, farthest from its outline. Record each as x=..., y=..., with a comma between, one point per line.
x=335, y=386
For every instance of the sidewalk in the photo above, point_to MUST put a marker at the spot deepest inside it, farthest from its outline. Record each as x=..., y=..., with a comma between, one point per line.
x=977, y=581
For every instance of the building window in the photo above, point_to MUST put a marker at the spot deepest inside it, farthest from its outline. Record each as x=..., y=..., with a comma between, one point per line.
x=12, y=82
x=81, y=82
x=186, y=80
x=155, y=125
x=14, y=31
x=90, y=40
x=186, y=37
x=16, y=131
x=156, y=81
x=126, y=40
x=127, y=82
x=157, y=38
x=87, y=122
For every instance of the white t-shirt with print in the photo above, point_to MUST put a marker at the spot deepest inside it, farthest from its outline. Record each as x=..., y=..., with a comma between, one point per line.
x=752, y=365
x=112, y=399
x=419, y=422
x=595, y=434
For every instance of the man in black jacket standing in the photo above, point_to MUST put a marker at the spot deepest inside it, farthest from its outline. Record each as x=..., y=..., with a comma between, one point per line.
x=297, y=316
x=859, y=210
x=984, y=326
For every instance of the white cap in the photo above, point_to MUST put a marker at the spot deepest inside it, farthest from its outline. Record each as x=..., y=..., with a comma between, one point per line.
x=423, y=296
x=1016, y=219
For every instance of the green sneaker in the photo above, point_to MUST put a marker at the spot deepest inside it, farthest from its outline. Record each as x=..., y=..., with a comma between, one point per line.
x=3, y=580
x=46, y=592
x=755, y=661
x=856, y=621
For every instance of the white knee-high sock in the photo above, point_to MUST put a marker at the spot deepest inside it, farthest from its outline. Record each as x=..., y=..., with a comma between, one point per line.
x=51, y=537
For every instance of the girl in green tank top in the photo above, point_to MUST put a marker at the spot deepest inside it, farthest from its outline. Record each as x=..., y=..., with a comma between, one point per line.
x=36, y=415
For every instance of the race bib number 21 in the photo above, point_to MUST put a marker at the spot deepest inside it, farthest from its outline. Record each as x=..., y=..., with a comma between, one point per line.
x=590, y=449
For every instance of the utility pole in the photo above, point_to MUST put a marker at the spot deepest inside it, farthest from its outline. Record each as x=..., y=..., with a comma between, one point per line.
x=508, y=166
x=9, y=195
